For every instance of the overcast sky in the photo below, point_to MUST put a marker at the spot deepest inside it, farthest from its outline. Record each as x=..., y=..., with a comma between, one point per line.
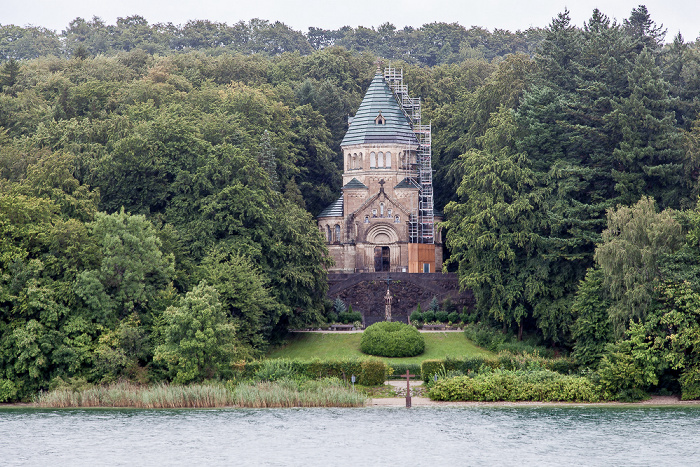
x=675, y=15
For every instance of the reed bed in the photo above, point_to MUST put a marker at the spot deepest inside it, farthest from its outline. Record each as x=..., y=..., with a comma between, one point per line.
x=283, y=393
x=288, y=393
x=161, y=396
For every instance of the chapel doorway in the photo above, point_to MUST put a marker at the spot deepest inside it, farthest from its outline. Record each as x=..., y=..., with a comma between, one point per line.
x=382, y=258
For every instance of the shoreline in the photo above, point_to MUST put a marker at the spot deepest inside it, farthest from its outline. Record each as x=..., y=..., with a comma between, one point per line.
x=424, y=402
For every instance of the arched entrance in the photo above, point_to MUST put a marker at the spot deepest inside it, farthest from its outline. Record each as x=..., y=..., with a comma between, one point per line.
x=382, y=258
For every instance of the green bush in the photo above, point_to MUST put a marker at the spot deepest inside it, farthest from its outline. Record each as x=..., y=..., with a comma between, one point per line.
x=434, y=305
x=428, y=316
x=8, y=390
x=374, y=372
x=690, y=384
x=277, y=369
x=349, y=317
x=519, y=385
x=441, y=316
x=416, y=316
x=454, y=317
x=430, y=367
x=387, y=339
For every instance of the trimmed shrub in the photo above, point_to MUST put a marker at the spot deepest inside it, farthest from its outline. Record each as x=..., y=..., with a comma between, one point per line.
x=441, y=316
x=374, y=372
x=430, y=367
x=454, y=317
x=416, y=316
x=392, y=339
x=428, y=316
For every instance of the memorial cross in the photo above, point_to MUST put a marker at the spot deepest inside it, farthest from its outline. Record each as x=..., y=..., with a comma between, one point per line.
x=408, y=377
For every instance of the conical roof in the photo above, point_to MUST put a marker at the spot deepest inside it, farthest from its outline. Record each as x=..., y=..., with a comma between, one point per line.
x=365, y=129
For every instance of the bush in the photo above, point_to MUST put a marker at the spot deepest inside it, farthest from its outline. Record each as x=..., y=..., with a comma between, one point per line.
x=454, y=317
x=8, y=390
x=374, y=372
x=339, y=306
x=416, y=316
x=349, y=317
x=690, y=384
x=387, y=339
x=430, y=367
x=428, y=316
x=442, y=316
x=519, y=385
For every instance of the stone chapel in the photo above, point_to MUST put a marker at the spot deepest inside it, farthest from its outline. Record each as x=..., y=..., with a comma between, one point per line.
x=384, y=220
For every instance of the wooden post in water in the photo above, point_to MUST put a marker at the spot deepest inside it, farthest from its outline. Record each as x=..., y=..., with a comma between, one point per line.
x=408, y=377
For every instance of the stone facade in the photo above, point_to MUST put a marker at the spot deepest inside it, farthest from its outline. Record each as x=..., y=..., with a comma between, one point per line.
x=367, y=228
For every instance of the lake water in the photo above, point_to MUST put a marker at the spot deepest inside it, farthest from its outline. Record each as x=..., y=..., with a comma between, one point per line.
x=562, y=436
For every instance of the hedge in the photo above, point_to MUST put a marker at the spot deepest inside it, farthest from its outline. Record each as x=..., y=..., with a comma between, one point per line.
x=504, y=361
x=369, y=372
x=519, y=385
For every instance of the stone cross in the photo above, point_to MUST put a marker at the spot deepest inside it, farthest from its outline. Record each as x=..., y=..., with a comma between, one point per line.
x=408, y=377
x=387, y=305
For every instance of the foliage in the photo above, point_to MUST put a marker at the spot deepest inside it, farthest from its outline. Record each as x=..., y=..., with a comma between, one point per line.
x=350, y=317
x=518, y=385
x=392, y=339
x=200, y=340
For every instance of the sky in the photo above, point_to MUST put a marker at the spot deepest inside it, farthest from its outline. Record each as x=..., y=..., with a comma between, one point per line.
x=675, y=15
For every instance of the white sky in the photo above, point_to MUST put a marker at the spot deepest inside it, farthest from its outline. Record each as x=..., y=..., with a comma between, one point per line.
x=675, y=15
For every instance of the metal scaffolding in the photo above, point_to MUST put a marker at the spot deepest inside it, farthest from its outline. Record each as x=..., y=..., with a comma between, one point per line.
x=422, y=221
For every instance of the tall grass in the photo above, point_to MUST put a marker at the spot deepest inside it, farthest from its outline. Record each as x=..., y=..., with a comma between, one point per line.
x=122, y=394
x=284, y=393
x=289, y=393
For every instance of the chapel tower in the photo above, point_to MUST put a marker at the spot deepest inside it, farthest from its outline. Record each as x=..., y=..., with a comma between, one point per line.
x=384, y=220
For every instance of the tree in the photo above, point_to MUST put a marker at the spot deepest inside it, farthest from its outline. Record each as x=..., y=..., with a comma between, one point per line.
x=266, y=159
x=635, y=240
x=132, y=269
x=200, y=340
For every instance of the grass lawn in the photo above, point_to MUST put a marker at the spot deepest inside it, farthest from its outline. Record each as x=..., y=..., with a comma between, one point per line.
x=333, y=346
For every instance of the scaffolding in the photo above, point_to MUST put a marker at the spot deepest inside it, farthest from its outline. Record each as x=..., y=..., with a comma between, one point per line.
x=421, y=221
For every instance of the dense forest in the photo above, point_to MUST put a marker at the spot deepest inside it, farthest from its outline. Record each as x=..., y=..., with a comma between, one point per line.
x=158, y=185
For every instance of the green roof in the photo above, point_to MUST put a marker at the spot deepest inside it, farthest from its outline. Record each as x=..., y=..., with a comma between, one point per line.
x=356, y=184
x=334, y=210
x=363, y=129
x=407, y=183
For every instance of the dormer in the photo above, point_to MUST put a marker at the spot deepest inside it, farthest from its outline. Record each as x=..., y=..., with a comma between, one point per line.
x=380, y=120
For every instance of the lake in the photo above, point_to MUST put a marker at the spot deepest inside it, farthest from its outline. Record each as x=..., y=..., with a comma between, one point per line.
x=546, y=435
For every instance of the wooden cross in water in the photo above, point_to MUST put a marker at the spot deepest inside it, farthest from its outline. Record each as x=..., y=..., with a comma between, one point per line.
x=408, y=377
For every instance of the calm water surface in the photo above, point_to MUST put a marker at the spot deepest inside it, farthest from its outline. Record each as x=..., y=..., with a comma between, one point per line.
x=564, y=436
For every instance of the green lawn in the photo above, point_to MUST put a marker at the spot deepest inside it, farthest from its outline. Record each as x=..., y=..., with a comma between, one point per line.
x=306, y=346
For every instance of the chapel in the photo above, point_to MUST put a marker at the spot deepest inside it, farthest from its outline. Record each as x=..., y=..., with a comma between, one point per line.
x=385, y=218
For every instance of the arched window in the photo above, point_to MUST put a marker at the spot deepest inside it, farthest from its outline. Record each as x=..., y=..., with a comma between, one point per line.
x=354, y=161
x=349, y=161
x=380, y=160
x=372, y=160
x=366, y=219
x=328, y=234
x=388, y=160
x=397, y=220
x=337, y=233
x=381, y=209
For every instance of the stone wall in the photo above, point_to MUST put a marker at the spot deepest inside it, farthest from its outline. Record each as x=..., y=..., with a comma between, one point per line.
x=366, y=291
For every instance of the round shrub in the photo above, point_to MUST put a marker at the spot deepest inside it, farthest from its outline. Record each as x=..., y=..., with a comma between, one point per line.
x=387, y=339
x=428, y=316
x=416, y=316
x=454, y=317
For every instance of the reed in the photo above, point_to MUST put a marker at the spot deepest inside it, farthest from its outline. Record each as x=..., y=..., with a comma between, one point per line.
x=288, y=393
x=122, y=394
x=283, y=393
